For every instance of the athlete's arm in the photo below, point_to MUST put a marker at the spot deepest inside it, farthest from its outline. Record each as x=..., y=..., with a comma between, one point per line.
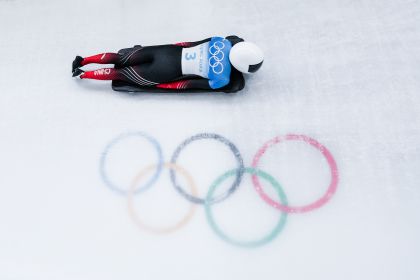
x=219, y=83
x=234, y=39
x=192, y=44
x=187, y=84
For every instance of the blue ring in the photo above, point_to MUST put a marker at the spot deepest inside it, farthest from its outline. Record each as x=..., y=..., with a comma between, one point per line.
x=239, y=172
x=105, y=153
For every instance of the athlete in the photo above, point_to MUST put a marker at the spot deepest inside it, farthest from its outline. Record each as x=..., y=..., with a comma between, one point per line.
x=202, y=65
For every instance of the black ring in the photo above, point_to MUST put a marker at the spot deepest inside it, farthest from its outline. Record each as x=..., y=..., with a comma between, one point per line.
x=235, y=152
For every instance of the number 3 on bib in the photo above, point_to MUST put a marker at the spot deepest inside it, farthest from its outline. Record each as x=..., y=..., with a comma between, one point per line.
x=189, y=56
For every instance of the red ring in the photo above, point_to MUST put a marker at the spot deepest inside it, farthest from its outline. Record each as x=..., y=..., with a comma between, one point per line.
x=309, y=207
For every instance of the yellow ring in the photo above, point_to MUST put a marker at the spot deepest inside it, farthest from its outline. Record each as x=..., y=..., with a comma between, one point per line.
x=168, y=229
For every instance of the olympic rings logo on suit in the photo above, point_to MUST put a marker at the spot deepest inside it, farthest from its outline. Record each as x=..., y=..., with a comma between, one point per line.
x=191, y=195
x=215, y=60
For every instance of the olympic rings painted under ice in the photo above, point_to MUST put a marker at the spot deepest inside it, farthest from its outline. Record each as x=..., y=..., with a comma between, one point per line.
x=168, y=229
x=209, y=200
x=115, y=141
x=221, y=139
x=255, y=243
x=330, y=160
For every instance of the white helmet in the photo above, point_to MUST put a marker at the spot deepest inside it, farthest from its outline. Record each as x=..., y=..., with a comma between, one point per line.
x=246, y=57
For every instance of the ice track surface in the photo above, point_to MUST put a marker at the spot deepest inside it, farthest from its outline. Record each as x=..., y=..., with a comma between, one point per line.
x=338, y=96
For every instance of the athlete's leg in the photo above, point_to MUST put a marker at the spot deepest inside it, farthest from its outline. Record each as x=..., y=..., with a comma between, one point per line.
x=126, y=74
x=135, y=56
x=140, y=55
x=151, y=66
x=101, y=74
x=103, y=58
x=137, y=75
x=130, y=57
x=165, y=65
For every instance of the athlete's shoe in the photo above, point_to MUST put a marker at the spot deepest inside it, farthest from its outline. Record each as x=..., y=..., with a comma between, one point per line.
x=77, y=62
x=77, y=72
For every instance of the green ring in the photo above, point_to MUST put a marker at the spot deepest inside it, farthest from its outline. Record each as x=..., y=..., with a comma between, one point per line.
x=250, y=244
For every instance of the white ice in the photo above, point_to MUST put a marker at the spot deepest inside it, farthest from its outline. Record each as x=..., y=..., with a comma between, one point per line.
x=344, y=72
